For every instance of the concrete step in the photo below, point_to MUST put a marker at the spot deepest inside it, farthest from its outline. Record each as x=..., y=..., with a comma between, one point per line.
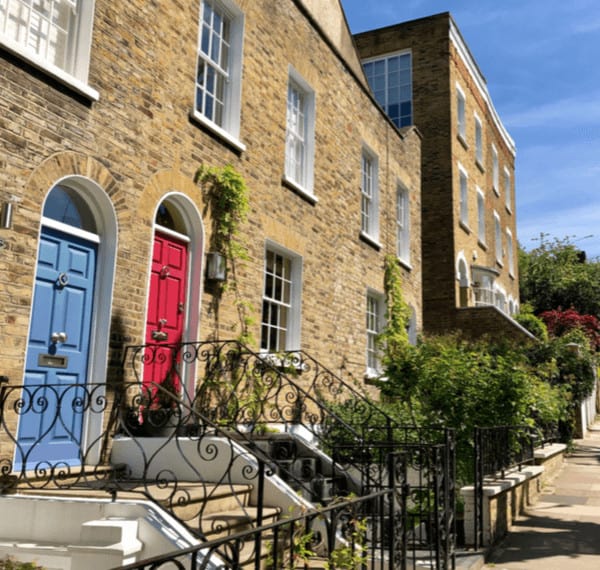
x=218, y=525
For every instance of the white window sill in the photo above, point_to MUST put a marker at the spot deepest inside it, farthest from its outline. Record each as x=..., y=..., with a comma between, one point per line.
x=300, y=190
x=220, y=132
x=464, y=226
x=372, y=375
x=461, y=138
x=405, y=263
x=496, y=191
x=51, y=70
x=370, y=240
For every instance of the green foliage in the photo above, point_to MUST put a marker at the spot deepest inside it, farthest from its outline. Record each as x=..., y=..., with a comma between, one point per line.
x=533, y=324
x=229, y=200
x=398, y=364
x=555, y=275
x=460, y=384
x=351, y=554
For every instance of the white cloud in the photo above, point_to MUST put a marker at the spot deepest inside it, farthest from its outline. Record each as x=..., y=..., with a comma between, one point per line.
x=571, y=111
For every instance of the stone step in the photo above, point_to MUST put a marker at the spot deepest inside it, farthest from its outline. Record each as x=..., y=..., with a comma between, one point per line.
x=218, y=525
x=187, y=498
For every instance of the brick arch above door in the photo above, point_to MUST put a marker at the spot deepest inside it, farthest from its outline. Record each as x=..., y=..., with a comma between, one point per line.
x=55, y=168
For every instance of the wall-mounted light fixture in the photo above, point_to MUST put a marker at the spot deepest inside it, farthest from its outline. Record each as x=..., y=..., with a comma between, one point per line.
x=216, y=267
x=7, y=215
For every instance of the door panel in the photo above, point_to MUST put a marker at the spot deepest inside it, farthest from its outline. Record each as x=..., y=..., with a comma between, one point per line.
x=56, y=370
x=166, y=304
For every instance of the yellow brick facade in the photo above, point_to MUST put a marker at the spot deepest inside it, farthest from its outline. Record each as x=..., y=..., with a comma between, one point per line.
x=137, y=145
x=454, y=256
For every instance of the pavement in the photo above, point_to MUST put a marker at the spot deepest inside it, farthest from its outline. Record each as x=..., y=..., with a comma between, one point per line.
x=562, y=530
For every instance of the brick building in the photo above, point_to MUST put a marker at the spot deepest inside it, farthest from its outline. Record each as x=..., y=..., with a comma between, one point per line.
x=108, y=108
x=423, y=74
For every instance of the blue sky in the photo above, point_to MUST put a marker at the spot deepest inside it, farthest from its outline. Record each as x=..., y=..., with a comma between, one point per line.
x=541, y=59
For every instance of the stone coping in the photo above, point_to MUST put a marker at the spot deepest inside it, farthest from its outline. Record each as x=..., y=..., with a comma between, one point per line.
x=548, y=451
x=513, y=478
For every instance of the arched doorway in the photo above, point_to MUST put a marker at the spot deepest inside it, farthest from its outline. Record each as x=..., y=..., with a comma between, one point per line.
x=174, y=288
x=69, y=324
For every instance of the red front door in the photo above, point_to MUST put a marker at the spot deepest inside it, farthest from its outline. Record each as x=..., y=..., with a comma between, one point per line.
x=166, y=305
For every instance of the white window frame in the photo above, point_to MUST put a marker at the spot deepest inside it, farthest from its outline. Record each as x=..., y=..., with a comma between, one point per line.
x=495, y=171
x=228, y=126
x=463, y=178
x=300, y=135
x=483, y=287
x=510, y=252
x=382, y=95
x=375, y=319
x=507, y=189
x=478, y=141
x=369, y=193
x=292, y=306
x=403, y=224
x=480, y=216
x=461, y=113
x=497, y=238
x=75, y=70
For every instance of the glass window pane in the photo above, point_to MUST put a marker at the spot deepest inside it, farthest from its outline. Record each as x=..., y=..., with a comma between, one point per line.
x=66, y=205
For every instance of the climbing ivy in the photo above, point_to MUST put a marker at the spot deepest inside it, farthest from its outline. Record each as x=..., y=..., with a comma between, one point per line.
x=398, y=355
x=229, y=200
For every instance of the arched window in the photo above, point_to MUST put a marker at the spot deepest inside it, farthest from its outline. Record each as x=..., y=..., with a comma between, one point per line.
x=66, y=205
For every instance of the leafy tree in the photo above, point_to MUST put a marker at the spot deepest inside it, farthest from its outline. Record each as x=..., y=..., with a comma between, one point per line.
x=556, y=275
x=560, y=322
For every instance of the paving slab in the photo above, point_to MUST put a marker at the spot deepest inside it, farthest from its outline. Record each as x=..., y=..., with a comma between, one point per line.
x=562, y=530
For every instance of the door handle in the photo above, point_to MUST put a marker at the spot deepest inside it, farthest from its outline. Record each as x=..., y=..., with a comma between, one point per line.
x=159, y=335
x=58, y=337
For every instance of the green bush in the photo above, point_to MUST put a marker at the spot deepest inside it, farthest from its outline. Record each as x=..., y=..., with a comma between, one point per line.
x=448, y=382
x=533, y=324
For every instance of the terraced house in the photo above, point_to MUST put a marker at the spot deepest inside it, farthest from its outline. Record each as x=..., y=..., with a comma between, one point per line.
x=108, y=108
x=423, y=73
x=167, y=380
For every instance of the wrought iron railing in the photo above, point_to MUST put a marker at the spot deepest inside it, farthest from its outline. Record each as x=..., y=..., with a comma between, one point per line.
x=256, y=394
x=202, y=458
x=427, y=456
x=341, y=536
x=328, y=387
x=241, y=396
x=498, y=449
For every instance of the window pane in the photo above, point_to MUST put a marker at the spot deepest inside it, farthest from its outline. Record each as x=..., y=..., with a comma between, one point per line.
x=277, y=302
x=67, y=206
x=213, y=58
x=391, y=82
x=43, y=27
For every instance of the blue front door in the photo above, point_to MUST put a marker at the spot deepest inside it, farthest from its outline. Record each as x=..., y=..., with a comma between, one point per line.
x=52, y=420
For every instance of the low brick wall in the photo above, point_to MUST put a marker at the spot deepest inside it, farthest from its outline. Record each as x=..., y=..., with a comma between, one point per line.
x=551, y=457
x=504, y=500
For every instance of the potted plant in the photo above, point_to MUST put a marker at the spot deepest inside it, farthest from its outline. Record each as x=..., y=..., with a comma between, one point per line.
x=156, y=410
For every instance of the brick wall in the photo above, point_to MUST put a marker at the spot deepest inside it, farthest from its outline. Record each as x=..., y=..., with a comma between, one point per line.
x=437, y=69
x=138, y=144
